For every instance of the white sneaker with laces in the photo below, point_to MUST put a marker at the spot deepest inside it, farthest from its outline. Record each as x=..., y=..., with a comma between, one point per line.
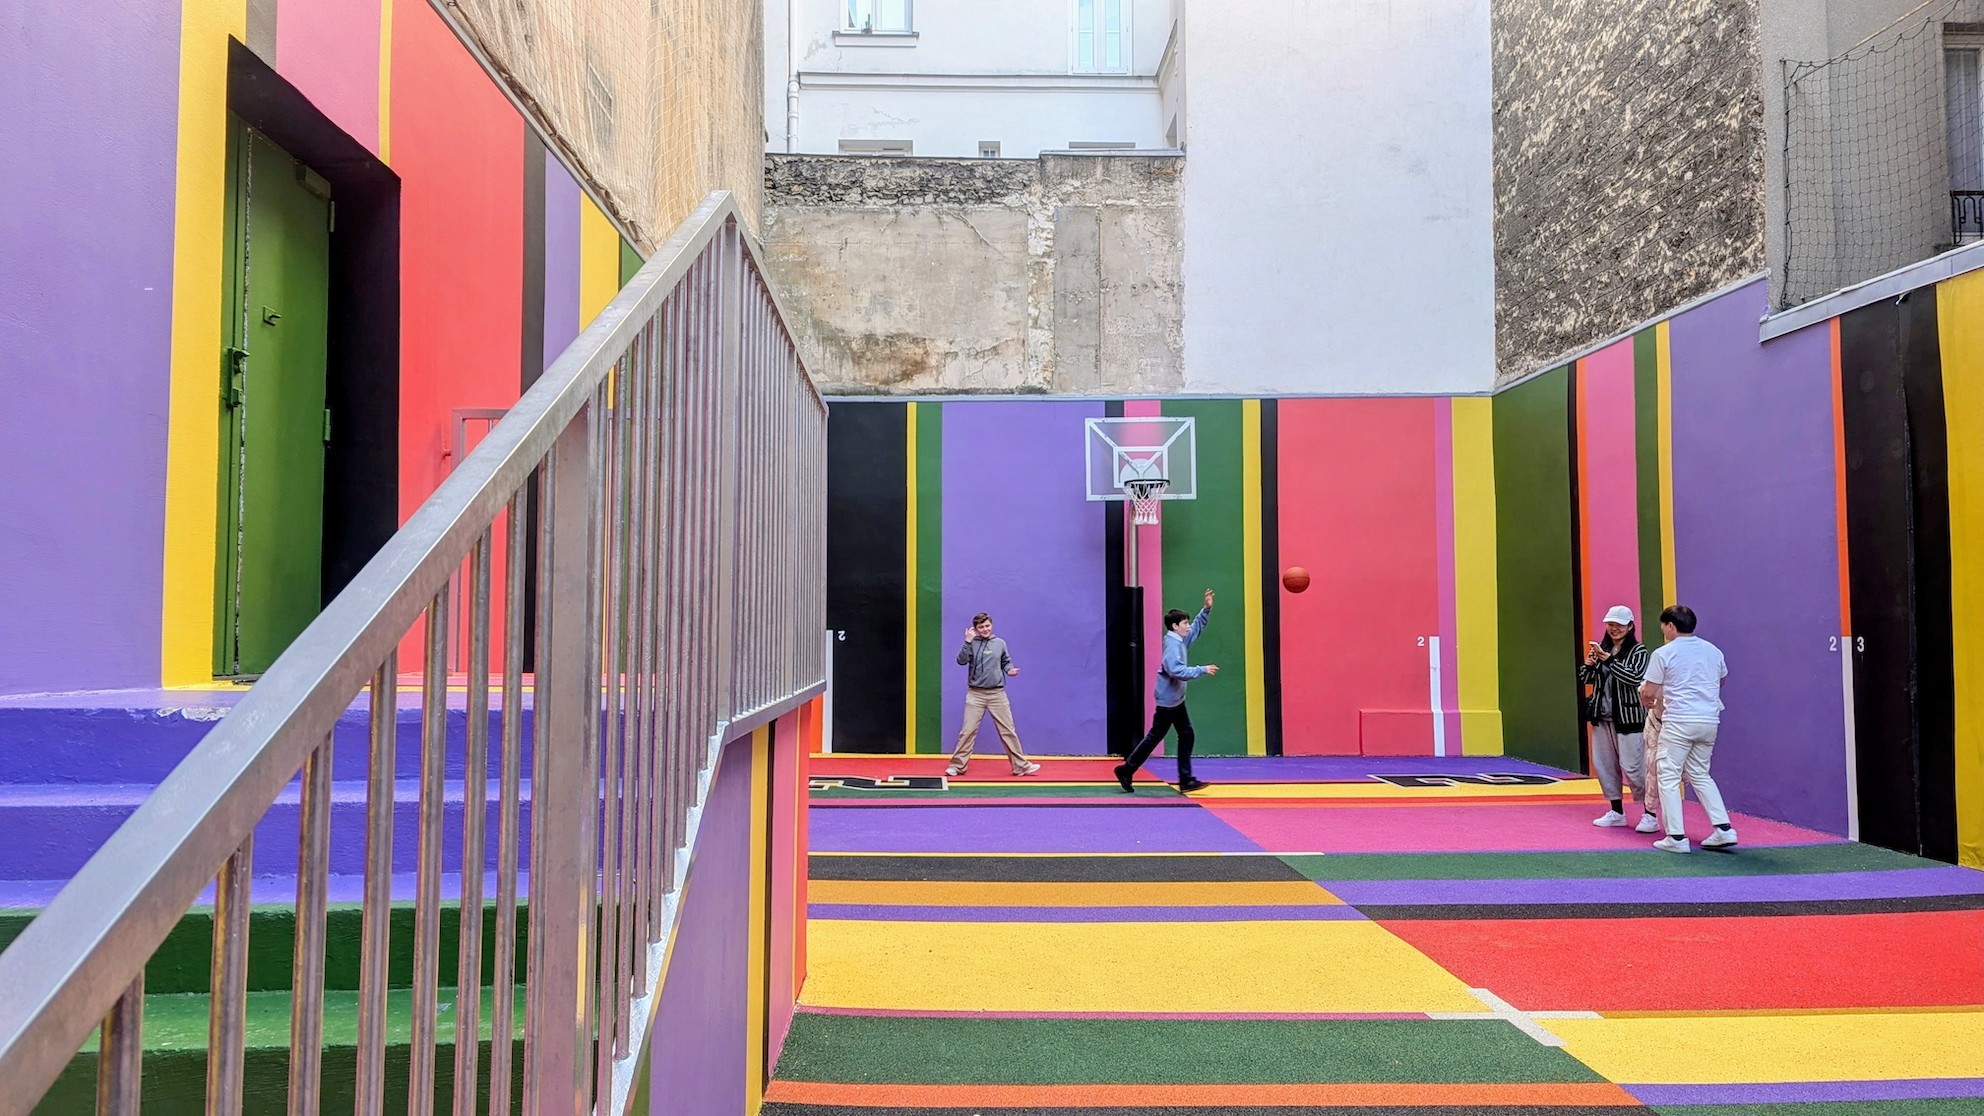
x=954, y=771
x=1030, y=769
x=1673, y=845
x=1648, y=824
x=1609, y=818
x=1720, y=839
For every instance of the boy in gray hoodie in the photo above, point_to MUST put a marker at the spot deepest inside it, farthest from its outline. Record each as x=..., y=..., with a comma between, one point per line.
x=1180, y=632
x=985, y=692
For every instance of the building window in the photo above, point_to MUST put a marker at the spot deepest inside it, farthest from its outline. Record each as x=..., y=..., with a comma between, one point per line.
x=1963, y=105
x=1102, y=36
x=877, y=147
x=988, y=149
x=886, y=16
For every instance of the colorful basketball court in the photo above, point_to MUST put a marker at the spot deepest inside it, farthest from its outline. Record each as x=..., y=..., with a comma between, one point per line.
x=1410, y=935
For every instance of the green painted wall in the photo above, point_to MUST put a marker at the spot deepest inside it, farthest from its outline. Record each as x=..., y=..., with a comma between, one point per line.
x=1536, y=612
x=1202, y=549
x=935, y=644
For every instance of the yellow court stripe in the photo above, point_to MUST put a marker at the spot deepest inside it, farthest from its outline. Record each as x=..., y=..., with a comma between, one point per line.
x=758, y=949
x=1960, y=321
x=1664, y=395
x=1318, y=966
x=192, y=460
x=386, y=82
x=1568, y=788
x=957, y=893
x=1872, y=1046
x=1251, y=580
x=1477, y=635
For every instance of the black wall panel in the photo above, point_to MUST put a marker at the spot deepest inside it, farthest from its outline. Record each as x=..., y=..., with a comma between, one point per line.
x=867, y=585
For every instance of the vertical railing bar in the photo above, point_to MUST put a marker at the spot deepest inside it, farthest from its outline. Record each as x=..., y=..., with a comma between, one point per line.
x=613, y=539
x=630, y=685
x=427, y=881
x=306, y=1009
x=475, y=813
x=377, y=907
x=598, y=563
x=227, y=1015
x=120, y=1053
x=675, y=588
x=651, y=582
x=509, y=814
x=636, y=922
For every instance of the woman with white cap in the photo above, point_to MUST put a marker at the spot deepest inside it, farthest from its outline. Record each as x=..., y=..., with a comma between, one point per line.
x=1614, y=669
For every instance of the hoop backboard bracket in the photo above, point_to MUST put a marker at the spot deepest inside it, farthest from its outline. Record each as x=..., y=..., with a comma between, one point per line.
x=1123, y=450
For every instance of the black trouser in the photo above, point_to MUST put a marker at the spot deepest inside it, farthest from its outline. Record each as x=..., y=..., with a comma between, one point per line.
x=1168, y=717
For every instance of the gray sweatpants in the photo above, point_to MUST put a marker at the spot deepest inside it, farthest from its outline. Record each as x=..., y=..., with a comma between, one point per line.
x=1613, y=751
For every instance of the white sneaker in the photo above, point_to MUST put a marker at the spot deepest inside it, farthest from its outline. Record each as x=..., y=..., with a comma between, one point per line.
x=1720, y=839
x=1030, y=769
x=1648, y=824
x=954, y=771
x=1610, y=818
x=1673, y=845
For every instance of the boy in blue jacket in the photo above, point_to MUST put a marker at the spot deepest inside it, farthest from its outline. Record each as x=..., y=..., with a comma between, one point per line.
x=1180, y=632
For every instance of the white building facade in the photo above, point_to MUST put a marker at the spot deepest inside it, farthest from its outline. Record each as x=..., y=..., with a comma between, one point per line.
x=1338, y=212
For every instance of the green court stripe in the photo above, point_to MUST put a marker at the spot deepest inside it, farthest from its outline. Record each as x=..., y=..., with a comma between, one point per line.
x=964, y=1051
x=1535, y=605
x=932, y=644
x=1646, y=438
x=1201, y=549
x=1633, y=864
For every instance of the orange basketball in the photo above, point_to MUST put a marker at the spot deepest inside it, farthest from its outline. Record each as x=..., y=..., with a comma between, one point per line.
x=1295, y=579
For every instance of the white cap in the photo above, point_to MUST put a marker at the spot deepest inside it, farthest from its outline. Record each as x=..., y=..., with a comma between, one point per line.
x=1620, y=614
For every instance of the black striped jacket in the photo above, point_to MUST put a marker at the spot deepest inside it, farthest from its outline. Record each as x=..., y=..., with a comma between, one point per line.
x=1623, y=675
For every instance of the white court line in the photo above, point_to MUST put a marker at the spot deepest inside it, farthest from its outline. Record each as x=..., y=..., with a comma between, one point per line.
x=1524, y=1021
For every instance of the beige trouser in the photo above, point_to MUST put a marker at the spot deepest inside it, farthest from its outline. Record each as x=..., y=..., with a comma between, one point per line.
x=977, y=703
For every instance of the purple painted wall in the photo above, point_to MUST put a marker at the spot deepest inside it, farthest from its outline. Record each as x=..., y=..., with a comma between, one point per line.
x=1756, y=553
x=699, y=1047
x=561, y=258
x=1022, y=543
x=86, y=219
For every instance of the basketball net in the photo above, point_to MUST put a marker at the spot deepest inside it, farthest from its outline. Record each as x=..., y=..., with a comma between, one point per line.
x=1144, y=499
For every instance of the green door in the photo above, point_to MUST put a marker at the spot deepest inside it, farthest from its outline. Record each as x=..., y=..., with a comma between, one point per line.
x=273, y=425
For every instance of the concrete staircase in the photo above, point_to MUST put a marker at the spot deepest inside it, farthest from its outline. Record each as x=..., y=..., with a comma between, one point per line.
x=72, y=768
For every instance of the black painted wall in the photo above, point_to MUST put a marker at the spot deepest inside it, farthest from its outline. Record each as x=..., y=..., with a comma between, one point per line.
x=867, y=586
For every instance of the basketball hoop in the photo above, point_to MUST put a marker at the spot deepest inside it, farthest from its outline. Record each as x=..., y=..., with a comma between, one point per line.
x=1145, y=496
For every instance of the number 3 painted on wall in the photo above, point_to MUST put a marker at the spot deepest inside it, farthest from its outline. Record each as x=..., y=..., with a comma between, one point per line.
x=1859, y=643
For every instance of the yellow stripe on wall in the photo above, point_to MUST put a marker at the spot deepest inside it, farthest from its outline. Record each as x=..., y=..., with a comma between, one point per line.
x=599, y=260
x=1960, y=322
x=757, y=949
x=386, y=82
x=1476, y=631
x=909, y=585
x=1664, y=392
x=192, y=456
x=1250, y=534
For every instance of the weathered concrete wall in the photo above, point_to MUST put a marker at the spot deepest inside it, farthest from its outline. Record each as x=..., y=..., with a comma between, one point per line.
x=1060, y=274
x=1629, y=153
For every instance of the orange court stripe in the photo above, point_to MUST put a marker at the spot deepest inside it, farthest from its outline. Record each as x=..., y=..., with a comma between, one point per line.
x=951, y=893
x=1592, y=1094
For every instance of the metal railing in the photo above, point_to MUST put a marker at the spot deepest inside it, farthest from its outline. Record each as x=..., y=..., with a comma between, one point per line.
x=671, y=465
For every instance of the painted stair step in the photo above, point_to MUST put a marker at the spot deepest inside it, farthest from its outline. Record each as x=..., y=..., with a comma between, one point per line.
x=182, y=963
x=120, y=744
x=49, y=832
x=175, y=1067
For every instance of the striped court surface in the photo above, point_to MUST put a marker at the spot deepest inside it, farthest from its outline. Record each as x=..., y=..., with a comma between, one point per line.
x=1420, y=935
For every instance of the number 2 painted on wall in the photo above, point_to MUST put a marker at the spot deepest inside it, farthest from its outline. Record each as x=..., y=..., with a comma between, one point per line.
x=1859, y=643
x=1422, y=641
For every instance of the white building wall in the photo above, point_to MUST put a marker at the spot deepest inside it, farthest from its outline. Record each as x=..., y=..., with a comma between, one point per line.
x=1339, y=197
x=971, y=70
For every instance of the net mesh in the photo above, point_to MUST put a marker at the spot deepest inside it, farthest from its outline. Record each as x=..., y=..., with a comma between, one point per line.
x=1881, y=150
x=1146, y=496
x=659, y=101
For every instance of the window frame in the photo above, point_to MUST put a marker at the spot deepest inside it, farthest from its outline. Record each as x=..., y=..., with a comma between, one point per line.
x=1125, y=35
x=849, y=27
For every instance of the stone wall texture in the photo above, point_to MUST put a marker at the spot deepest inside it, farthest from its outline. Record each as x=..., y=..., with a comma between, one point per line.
x=1060, y=274
x=658, y=101
x=1629, y=156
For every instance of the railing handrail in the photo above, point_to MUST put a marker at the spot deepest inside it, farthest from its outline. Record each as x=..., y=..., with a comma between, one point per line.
x=129, y=895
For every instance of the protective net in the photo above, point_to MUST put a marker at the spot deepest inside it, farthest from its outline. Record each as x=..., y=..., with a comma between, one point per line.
x=1882, y=151
x=658, y=100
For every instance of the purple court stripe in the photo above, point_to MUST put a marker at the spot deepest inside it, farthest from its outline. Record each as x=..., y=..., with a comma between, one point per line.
x=982, y=829
x=883, y=912
x=1805, y=1092
x=1901, y=883
x=952, y=1013
x=342, y=887
x=1359, y=769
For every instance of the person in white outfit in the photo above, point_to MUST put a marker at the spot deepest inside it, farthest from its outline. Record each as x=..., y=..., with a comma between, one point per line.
x=1684, y=684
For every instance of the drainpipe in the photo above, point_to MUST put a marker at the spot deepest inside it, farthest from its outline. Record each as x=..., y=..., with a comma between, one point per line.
x=792, y=76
